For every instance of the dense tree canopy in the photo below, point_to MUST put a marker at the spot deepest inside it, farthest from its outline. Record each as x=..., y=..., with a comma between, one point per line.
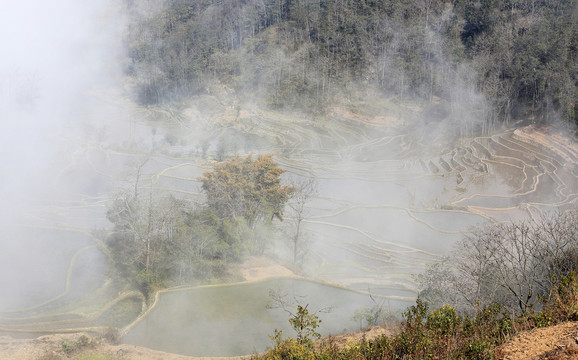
x=308, y=53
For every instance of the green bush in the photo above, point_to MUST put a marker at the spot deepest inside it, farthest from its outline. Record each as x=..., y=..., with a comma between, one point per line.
x=443, y=321
x=305, y=325
x=475, y=350
x=561, y=303
x=290, y=348
x=68, y=347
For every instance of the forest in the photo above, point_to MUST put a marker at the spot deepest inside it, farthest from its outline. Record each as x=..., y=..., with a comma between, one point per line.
x=519, y=57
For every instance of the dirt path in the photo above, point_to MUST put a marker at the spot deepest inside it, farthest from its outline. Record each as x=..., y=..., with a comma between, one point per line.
x=258, y=268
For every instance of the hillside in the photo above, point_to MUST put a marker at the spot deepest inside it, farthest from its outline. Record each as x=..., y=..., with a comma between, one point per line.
x=504, y=60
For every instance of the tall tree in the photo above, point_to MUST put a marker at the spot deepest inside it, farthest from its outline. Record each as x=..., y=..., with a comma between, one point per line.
x=246, y=188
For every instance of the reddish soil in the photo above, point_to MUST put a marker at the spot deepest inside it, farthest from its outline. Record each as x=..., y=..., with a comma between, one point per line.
x=554, y=342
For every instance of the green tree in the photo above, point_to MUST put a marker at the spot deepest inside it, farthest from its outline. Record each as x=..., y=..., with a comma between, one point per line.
x=302, y=321
x=304, y=324
x=243, y=188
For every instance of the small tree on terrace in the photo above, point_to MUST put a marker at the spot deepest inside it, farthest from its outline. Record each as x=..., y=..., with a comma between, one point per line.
x=144, y=232
x=302, y=321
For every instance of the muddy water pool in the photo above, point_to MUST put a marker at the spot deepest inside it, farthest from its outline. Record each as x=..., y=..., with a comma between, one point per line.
x=231, y=320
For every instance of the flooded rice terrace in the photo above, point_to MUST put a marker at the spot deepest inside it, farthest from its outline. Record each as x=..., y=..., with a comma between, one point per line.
x=230, y=320
x=386, y=205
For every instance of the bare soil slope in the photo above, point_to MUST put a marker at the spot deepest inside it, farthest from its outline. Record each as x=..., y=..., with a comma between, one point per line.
x=554, y=342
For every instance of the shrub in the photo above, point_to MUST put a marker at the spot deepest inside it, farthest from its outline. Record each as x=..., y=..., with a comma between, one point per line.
x=475, y=350
x=561, y=304
x=304, y=324
x=68, y=347
x=443, y=321
x=290, y=348
x=441, y=333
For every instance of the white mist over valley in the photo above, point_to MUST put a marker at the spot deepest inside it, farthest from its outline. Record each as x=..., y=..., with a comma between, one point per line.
x=106, y=109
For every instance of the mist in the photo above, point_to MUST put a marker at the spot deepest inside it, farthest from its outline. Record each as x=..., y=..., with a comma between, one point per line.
x=98, y=105
x=55, y=56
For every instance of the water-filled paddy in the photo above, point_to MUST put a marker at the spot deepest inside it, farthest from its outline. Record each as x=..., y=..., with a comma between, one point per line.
x=59, y=264
x=235, y=320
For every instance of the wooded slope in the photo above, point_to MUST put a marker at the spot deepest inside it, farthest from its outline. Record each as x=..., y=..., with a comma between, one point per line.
x=513, y=58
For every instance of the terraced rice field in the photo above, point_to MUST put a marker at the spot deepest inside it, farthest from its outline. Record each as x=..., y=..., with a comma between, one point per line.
x=385, y=208
x=388, y=202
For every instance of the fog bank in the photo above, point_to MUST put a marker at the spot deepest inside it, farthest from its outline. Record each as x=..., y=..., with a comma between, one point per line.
x=55, y=54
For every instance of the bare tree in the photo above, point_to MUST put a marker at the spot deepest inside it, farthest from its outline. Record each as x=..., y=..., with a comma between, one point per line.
x=144, y=226
x=517, y=251
x=559, y=255
x=532, y=256
x=506, y=263
x=475, y=267
x=304, y=191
